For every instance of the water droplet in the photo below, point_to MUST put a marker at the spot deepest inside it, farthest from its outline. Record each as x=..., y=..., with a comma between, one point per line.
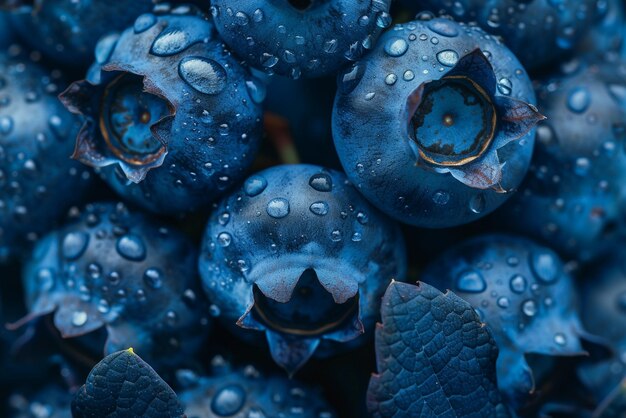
x=144, y=22
x=256, y=90
x=582, y=166
x=356, y=237
x=228, y=400
x=408, y=75
x=224, y=239
x=448, y=57
x=152, y=277
x=45, y=277
x=518, y=283
x=214, y=311
x=319, y=208
x=391, y=79
x=131, y=247
x=335, y=236
x=545, y=266
x=396, y=47
x=224, y=218
x=441, y=197
x=362, y=218
x=74, y=245
x=503, y=302
x=579, y=100
x=321, y=182
x=529, y=308
x=443, y=27
x=278, y=208
x=6, y=125
x=505, y=86
x=268, y=60
x=255, y=185
x=560, y=339
x=477, y=203
x=170, y=42
x=203, y=74
x=79, y=318
x=471, y=281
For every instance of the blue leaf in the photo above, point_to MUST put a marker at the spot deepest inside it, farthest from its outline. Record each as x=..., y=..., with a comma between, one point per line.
x=123, y=385
x=435, y=358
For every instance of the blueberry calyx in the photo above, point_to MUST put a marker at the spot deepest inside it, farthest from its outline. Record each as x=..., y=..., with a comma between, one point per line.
x=131, y=112
x=457, y=123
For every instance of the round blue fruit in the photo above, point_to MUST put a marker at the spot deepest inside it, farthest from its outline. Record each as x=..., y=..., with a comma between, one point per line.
x=117, y=270
x=435, y=126
x=299, y=255
x=38, y=180
x=539, y=32
x=575, y=195
x=295, y=38
x=171, y=118
x=67, y=31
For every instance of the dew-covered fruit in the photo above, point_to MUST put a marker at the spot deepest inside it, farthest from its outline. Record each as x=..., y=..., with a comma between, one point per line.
x=308, y=38
x=523, y=293
x=66, y=31
x=435, y=125
x=171, y=118
x=247, y=393
x=38, y=180
x=120, y=271
x=575, y=194
x=539, y=32
x=297, y=254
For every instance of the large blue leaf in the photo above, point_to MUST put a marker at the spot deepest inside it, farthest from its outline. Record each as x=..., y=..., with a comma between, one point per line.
x=435, y=358
x=122, y=385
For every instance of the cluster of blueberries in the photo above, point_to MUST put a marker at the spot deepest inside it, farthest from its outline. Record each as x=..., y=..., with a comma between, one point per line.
x=313, y=208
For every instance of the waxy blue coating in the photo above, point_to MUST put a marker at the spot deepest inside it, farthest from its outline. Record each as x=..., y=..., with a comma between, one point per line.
x=279, y=38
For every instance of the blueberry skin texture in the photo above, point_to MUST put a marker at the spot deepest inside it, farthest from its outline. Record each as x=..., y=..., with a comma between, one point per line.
x=370, y=124
x=523, y=294
x=286, y=222
x=66, y=31
x=38, y=180
x=248, y=393
x=539, y=32
x=603, y=311
x=122, y=271
x=573, y=198
x=277, y=37
x=209, y=107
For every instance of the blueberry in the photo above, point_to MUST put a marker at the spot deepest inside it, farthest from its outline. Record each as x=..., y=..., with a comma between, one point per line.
x=574, y=196
x=539, y=32
x=67, y=31
x=118, y=270
x=608, y=34
x=248, y=393
x=309, y=38
x=433, y=126
x=298, y=254
x=170, y=117
x=38, y=181
x=603, y=312
x=524, y=295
